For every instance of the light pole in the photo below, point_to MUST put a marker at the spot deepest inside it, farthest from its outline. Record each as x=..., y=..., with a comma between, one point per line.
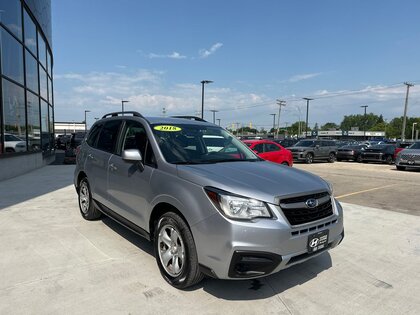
x=202, y=96
x=364, y=123
x=218, y=121
x=122, y=105
x=86, y=111
x=214, y=115
x=412, y=132
x=274, y=122
x=405, y=110
x=307, y=114
x=280, y=103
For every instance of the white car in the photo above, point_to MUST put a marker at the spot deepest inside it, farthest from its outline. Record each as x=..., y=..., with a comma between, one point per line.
x=13, y=143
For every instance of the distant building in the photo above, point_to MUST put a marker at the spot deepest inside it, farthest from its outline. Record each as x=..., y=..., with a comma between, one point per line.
x=63, y=128
x=26, y=87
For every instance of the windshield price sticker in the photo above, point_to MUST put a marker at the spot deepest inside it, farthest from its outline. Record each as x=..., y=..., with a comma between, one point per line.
x=167, y=128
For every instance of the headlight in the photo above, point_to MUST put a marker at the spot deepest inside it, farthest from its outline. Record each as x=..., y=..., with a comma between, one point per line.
x=236, y=207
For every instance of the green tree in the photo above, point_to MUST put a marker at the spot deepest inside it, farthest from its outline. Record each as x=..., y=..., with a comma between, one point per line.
x=360, y=121
x=330, y=126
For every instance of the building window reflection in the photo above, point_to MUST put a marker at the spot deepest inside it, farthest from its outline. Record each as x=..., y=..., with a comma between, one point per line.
x=30, y=33
x=11, y=57
x=14, y=117
x=10, y=16
x=34, y=125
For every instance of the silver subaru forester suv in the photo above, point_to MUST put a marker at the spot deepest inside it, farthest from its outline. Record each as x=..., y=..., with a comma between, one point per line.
x=208, y=203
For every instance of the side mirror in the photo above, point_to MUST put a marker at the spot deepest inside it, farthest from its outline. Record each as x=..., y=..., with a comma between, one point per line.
x=133, y=155
x=317, y=146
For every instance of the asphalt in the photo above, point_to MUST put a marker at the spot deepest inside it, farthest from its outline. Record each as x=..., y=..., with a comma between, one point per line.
x=54, y=262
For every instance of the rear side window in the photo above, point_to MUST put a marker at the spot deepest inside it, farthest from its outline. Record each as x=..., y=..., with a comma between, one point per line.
x=269, y=147
x=93, y=135
x=108, y=136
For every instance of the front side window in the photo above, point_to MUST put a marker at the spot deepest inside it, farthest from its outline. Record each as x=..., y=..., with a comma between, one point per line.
x=259, y=148
x=188, y=144
x=135, y=137
x=108, y=137
x=11, y=57
x=14, y=115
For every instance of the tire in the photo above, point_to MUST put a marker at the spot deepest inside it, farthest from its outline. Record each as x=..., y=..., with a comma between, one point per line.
x=285, y=163
x=174, y=240
x=309, y=158
x=389, y=160
x=86, y=206
x=400, y=168
x=339, y=160
x=359, y=158
x=10, y=150
x=331, y=157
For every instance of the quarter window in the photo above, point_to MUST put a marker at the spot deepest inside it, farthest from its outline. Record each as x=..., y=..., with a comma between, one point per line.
x=93, y=135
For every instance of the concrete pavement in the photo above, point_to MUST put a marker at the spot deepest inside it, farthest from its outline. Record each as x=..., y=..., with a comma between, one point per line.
x=54, y=262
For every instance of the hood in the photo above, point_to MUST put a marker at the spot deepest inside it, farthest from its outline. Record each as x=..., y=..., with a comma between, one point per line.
x=374, y=150
x=262, y=180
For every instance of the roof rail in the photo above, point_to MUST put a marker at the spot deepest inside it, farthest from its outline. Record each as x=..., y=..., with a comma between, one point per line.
x=190, y=118
x=115, y=114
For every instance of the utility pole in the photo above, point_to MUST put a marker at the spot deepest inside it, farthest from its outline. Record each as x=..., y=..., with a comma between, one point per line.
x=274, y=122
x=214, y=115
x=307, y=114
x=218, y=121
x=364, y=123
x=412, y=131
x=405, y=110
x=280, y=103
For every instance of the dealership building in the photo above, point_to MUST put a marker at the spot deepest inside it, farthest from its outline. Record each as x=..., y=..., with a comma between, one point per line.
x=26, y=87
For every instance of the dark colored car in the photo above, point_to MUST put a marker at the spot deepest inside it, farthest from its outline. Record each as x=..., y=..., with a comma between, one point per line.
x=409, y=157
x=383, y=153
x=401, y=146
x=271, y=151
x=75, y=141
x=350, y=152
x=286, y=142
x=62, y=141
x=312, y=149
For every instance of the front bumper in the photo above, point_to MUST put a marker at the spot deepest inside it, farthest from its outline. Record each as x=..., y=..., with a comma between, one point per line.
x=299, y=156
x=346, y=156
x=243, y=250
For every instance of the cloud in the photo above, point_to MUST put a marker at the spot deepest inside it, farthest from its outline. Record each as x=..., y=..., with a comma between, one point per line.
x=204, y=53
x=301, y=77
x=174, y=55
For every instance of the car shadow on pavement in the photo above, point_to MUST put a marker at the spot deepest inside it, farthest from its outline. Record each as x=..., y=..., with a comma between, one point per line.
x=236, y=290
x=130, y=236
x=266, y=287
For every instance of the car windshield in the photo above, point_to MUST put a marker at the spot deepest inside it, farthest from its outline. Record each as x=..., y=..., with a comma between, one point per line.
x=305, y=143
x=196, y=144
x=378, y=146
x=11, y=138
x=415, y=145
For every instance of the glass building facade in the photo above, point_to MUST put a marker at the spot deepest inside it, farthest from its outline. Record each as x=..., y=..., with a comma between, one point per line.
x=26, y=87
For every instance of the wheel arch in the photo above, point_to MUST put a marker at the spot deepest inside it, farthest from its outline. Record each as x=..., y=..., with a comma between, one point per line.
x=160, y=209
x=80, y=176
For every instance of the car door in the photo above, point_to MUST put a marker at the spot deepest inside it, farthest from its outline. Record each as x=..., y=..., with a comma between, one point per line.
x=272, y=152
x=128, y=184
x=98, y=155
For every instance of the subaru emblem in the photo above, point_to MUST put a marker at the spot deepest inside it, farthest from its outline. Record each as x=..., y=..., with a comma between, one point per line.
x=311, y=203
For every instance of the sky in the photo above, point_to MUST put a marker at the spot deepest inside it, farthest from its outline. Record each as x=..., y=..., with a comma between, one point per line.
x=154, y=54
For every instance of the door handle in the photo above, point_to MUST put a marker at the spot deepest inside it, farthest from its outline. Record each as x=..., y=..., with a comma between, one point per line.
x=112, y=167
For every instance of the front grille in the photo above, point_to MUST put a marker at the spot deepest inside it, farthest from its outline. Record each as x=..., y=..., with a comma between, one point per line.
x=414, y=157
x=299, y=213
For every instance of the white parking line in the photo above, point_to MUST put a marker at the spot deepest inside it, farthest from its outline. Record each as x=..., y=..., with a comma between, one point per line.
x=363, y=191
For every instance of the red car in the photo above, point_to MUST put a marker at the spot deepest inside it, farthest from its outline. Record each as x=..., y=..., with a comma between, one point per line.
x=271, y=151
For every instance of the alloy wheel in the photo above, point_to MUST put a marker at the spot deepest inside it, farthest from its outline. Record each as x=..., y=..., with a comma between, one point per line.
x=171, y=250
